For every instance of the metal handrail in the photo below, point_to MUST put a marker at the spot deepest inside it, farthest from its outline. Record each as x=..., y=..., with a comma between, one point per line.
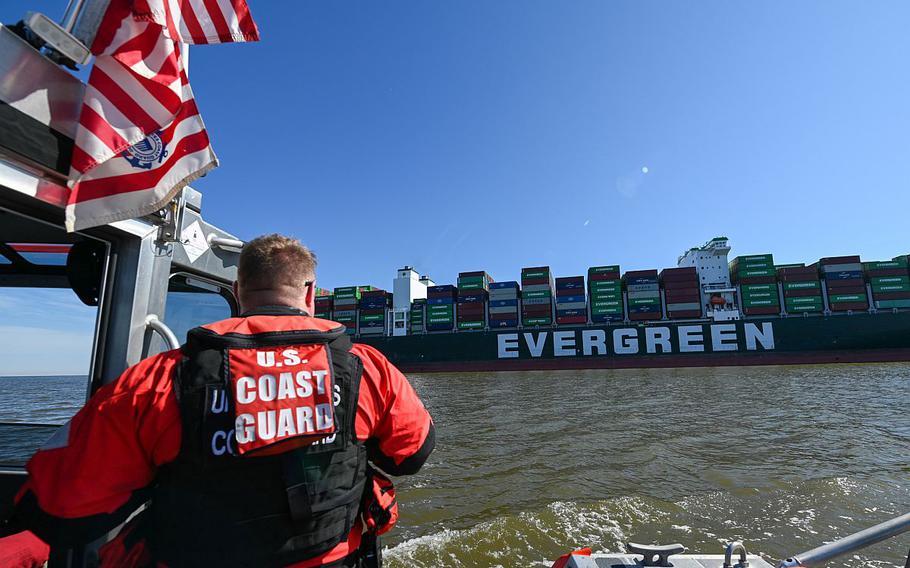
x=223, y=242
x=152, y=322
x=822, y=554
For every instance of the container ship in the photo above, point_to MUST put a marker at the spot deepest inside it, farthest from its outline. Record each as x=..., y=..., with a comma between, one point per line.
x=706, y=311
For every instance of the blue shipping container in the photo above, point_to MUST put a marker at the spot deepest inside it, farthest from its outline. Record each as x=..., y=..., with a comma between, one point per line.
x=502, y=285
x=843, y=275
x=504, y=323
x=503, y=303
x=569, y=299
x=570, y=285
x=644, y=309
x=571, y=312
x=604, y=318
x=641, y=280
x=436, y=301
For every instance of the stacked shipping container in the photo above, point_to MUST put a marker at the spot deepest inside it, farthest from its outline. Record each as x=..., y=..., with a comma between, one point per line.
x=802, y=289
x=324, y=306
x=536, y=296
x=890, y=283
x=844, y=283
x=373, y=312
x=643, y=294
x=345, y=307
x=418, y=315
x=605, y=293
x=757, y=279
x=441, y=308
x=473, y=293
x=504, y=304
x=571, y=307
x=681, y=292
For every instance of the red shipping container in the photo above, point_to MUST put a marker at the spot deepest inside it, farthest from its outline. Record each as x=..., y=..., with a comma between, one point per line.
x=570, y=292
x=507, y=316
x=537, y=310
x=678, y=295
x=468, y=309
x=600, y=277
x=673, y=277
x=757, y=280
x=684, y=314
x=640, y=274
x=845, y=306
x=891, y=295
x=645, y=316
x=802, y=293
x=373, y=293
x=571, y=319
x=886, y=272
x=854, y=289
x=534, y=281
x=850, y=259
x=761, y=310
x=809, y=276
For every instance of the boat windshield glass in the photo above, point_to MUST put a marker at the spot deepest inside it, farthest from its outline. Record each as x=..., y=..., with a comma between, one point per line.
x=193, y=301
x=46, y=332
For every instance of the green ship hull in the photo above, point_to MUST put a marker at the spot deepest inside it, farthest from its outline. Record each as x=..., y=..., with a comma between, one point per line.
x=841, y=338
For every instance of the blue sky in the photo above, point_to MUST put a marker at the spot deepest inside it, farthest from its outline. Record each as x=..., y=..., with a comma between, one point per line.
x=470, y=135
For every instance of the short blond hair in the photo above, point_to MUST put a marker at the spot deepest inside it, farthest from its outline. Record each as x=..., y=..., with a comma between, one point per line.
x=273, y=261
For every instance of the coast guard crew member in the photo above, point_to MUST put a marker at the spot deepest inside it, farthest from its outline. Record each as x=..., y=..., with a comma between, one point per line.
x=252, y=440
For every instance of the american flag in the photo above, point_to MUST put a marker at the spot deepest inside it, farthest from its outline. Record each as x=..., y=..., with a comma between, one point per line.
x=140, y=138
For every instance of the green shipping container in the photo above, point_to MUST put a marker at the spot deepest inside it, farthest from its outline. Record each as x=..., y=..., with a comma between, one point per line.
x=471, y=324
x=890, y=288
x=537, y=321
x=756, y=272
x=888, y=304
x=535, y=274
x=602, y=311
x=644, y=302
x=835, y=298
x=806, y=285
x=597, y=286
x=760, y=303
x=803, y=300
x=440, y=320
x=883, y=280
x=598, y=303
x=805, y=308
x=609, y=269
x=536, y=294
x=898, y=262
x=767, y=258
x=747, y=288
x=439, y=313
x=372, y=317
x=760, y=296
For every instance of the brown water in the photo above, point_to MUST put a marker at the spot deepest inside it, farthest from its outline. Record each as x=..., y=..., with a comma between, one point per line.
x=531, y=465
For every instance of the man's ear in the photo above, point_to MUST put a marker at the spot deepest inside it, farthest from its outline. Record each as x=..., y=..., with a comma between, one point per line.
x=311, y=294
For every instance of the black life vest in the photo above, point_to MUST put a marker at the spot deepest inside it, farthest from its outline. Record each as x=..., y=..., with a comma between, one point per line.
x=213, y=507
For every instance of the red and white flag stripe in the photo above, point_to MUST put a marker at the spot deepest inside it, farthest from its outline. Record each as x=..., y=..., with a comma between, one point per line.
x=201, y=21
x=140, y=138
